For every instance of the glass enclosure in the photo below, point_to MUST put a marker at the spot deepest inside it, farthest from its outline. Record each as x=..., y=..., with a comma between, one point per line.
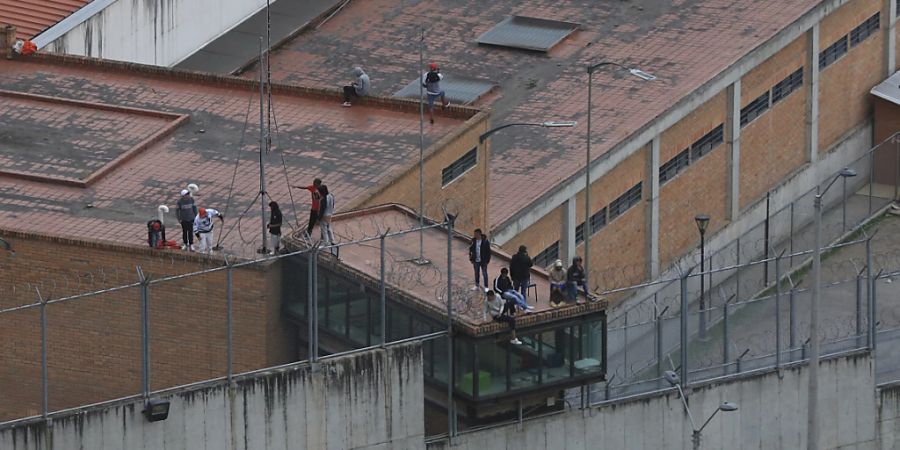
x=552, y=356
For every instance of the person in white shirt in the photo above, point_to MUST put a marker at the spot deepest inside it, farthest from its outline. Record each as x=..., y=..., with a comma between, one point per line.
x=203, y=228
x=503, y=311
x=326, y=211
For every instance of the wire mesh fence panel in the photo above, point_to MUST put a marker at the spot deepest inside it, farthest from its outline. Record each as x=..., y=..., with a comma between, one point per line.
x=94, y=348
x=20, y=369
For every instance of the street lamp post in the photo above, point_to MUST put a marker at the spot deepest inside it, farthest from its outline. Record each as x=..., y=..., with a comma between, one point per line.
x=587, y=168
x=702, y=223
x=675, y=381
x=551, y=124
x=812, y=439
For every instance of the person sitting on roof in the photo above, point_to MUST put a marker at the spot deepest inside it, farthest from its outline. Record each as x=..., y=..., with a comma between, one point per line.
x=502, y=311
x=503, y=285
x=358, y=88
x=557, y=284
x=574, y=279
x=203, y=228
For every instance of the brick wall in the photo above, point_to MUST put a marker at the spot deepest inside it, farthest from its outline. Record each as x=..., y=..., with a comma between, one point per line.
x=466, y=195
x=764, y=161
x=94, y=343
x=844, y=100
x=700, y=189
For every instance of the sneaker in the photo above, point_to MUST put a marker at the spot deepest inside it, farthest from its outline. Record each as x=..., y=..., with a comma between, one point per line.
x=579, y=301
x=193, y=248
x=529, y=308
x=346, y=104
x=445, y=106
x=475, y=288
x=184, y=246
x=515, y=342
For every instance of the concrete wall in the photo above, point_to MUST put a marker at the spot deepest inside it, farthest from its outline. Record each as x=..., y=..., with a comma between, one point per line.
x=771, y=415
x=159, y=32
x=372, y=400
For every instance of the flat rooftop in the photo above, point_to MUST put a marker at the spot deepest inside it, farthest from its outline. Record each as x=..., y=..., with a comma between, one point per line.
x=91, y=148
x=685, y=43
x=426, y=285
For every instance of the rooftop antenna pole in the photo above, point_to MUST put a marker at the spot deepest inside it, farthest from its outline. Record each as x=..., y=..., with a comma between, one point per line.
x=421, y=260
x=263, y=136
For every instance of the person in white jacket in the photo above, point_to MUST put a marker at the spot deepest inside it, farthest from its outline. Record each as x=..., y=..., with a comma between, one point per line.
x=203, y=228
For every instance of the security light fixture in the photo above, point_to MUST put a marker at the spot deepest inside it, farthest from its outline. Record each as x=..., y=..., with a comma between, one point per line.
x=156, y=410
x=642, y=75
x=559, y=124
x=702, y=222
x=672, y=377
x=728, y=406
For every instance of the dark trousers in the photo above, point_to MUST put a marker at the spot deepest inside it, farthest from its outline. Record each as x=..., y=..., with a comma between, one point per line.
x=313, y=219
x=522, y=286
x=507, y=315
x=483, y=272
x=187, y=232
x=350, y=92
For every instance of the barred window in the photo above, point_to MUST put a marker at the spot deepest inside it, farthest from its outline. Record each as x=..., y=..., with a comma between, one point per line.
x=548, y=255
x=598, y=221
x=459, y=167
x=833, y=53
x=865, y=29
x=787, y=85
x=625, y=201
x=673, y=166
x=708, y=142
x=754, y=109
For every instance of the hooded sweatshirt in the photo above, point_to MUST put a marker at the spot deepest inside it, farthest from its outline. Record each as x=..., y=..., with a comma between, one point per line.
x=362, y=82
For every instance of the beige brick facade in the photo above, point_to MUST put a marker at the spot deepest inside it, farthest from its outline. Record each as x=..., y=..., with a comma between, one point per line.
x=774, y=144
x=844, y=100
x=94, y=343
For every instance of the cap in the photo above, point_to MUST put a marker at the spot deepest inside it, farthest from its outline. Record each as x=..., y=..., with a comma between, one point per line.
x=433, y=66
x=558, y=263
x=202, y=212
x=185, y=192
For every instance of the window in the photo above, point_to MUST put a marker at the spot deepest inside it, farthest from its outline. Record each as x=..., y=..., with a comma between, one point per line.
x=598, y=221
x=675, y=165
x=833, y=53
x=625, y=201
x=708, y=142
x=459, y=167
x=754, y=109
x=787, y=85
x=865, y=29
x=548, y=256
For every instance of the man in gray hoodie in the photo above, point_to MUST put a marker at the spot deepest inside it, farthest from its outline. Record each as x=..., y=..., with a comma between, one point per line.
x=185, y=212
x=358, y=88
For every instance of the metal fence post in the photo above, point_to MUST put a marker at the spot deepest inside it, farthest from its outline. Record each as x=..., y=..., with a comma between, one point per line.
x=792, y=335
x=451, y=409
x=684, y=329
x=766, y=242
x=381, y=295
x=229, y=319
x=737, y=288
x=45, y=385
x=725, y=356
x=870, y=295
x=871, y=177
x=859, y=301
x=791, y=235
x=311, y=305
x=778, y=310
x=659, y=339
x=873, y=324
x=145, y=332
x=844, y=205
x=315, y=302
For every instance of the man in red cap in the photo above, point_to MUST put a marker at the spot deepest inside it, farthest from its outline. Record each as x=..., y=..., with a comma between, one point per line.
x=432, y=83
x=203, y=228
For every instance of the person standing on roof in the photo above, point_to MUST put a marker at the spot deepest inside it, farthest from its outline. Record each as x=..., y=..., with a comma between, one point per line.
x=203, y=228
x=432, y=83
x=520, y=271
x=313, y=207
x=275, y=226
x=326, y=211
x=358, y=88
x=185, y=212
x=480, y=256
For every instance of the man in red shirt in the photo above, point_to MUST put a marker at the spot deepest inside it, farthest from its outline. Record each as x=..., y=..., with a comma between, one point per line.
x=314, y=206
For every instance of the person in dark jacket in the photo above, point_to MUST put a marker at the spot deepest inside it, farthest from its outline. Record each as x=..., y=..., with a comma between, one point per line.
x=185, y=212
x=575, y=278
x=520, y=271
x=504, y=287
x=156, y=233
x=275, y=226
x=480, y=256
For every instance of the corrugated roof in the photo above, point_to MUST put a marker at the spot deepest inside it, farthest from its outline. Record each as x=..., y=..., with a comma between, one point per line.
x=31, y=17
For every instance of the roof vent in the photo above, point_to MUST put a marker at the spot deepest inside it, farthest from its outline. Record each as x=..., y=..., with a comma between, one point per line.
x=457, y=89
x=528, y=33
